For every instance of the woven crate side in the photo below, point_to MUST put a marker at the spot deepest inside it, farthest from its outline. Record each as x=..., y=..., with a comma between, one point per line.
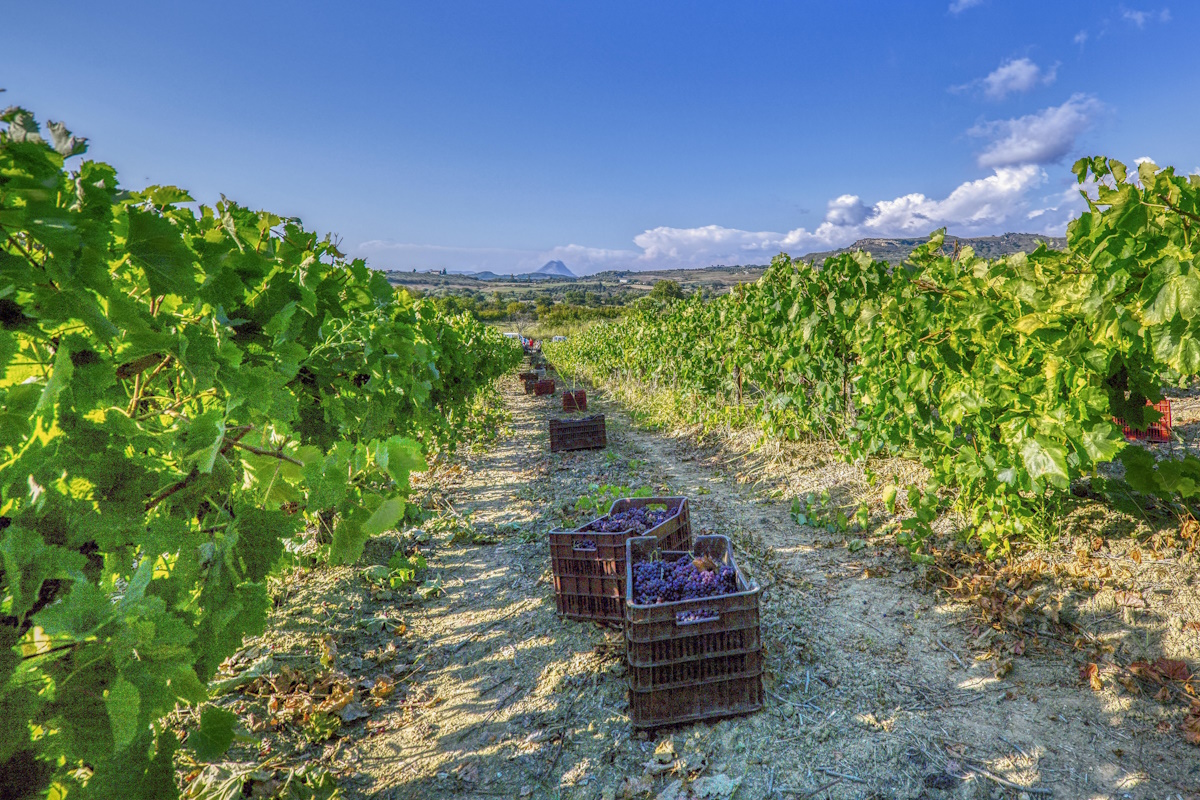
x=729, y=697
x=588, y=608
x=589, y=582
x=588, y=433
x=543, y=387
x=696, y=671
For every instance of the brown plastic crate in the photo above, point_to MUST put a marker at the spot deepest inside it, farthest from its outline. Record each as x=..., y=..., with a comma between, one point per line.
x=587, y=433
x=729, y=697
x=528, y=376
x=1159, y=431
x=589, y=582
x=686, y=671
x=544, y=387
x=530, y=386
x=574, y=401
x=681, y=520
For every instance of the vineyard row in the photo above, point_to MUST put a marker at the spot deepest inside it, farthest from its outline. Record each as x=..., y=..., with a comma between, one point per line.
x=1001, y=377
x=183, y=389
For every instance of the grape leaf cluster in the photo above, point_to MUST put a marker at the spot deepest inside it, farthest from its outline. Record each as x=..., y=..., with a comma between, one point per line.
x=182, y=388
x=666, y=582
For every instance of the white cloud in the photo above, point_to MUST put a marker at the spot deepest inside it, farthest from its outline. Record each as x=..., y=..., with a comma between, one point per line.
x=1136, y=17
x=1008, y=199
x=959, y=6
x=1039, y=138
x=1143, y=160
x=1081, y=38
x=1014, y=75
x=1140, y=18
x=847, y=210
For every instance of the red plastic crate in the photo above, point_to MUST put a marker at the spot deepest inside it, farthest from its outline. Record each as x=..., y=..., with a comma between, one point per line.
x=574, y=401
x=589, y=582
x=544, y=387
x=1159, y=431
x=684, y=671
x=587, y=433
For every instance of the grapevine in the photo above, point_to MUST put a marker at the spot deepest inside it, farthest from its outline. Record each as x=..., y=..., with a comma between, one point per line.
x=1001, y=377
x=182, y=388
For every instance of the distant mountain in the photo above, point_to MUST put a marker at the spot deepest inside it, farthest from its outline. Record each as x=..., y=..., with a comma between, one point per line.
x=555, y=268
x=896, y=250
x=551, y=269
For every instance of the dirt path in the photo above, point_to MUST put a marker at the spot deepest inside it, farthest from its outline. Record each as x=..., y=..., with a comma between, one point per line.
x=874, y=690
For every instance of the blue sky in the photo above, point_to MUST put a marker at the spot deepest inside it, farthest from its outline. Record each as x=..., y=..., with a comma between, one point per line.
x=498, y=135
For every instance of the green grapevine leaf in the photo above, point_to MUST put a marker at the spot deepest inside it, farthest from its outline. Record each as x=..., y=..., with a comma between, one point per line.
x=215, y=734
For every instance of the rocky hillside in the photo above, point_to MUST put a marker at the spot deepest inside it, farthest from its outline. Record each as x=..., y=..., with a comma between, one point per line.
x=896, y=250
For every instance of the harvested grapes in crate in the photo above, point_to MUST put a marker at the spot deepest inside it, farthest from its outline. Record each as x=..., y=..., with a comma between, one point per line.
x=588, y=564
x=678, y=523
x=692, y=633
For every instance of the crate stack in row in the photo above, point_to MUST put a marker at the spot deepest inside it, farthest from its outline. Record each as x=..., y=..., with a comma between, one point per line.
x=580, y=433
x=689, y=612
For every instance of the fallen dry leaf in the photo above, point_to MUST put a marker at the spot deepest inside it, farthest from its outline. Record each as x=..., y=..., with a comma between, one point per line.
x=1130, y=599
x=1162, y=670
x=1172, y=669
x=1191, y=727
x=1090, y=674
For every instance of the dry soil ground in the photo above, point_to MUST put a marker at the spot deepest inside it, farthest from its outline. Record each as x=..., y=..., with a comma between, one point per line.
x=878, y=686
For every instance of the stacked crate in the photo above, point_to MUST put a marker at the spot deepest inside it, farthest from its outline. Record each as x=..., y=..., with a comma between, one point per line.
x=682, y=668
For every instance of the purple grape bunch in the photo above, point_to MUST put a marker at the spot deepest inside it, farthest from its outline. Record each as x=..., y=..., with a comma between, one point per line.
x=585, y=544
x=666, y=582
x=639, y=520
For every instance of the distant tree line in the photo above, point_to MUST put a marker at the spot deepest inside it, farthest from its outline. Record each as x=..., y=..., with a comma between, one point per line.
x=580, y=303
